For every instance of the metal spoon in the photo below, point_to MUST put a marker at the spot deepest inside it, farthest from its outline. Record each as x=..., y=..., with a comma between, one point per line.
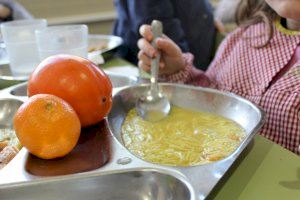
x=154, y=106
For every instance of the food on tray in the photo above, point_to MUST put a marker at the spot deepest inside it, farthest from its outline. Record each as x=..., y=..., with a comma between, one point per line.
x=97, y=47
x=66, y=93
x=47, y=126
x=7, y=154
x=184, y=138
x=9, y=146
x=76, y=80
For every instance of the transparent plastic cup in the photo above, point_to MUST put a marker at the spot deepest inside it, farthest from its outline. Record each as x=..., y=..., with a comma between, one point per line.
x=65, y=39
x=21, y=46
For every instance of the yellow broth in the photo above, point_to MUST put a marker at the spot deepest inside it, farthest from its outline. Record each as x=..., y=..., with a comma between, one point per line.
x=184, y=138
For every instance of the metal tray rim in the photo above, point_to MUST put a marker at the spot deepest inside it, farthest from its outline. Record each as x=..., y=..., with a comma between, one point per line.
x=112, y=167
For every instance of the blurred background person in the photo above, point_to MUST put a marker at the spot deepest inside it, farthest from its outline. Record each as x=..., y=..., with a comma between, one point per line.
x=11, y=10
x=226, y=9
x=189, y=23
x=225, y=13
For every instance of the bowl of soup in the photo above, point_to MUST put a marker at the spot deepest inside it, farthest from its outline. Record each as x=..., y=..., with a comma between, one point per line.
x=204, y=125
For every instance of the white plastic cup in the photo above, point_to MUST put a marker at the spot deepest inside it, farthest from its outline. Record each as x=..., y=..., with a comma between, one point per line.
x=21, y=46
x=65, y=39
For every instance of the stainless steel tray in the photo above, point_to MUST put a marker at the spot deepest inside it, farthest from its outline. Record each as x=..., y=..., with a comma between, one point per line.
x=7, y=79
x=124, y=176
x=97, y=44
x=103, y=43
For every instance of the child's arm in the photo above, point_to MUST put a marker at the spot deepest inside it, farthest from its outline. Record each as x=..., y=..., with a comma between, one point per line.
x=174, y=65
x=190, y=75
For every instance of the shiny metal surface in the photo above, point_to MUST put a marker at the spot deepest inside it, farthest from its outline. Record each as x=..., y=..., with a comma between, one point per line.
x=116, y=79
x=154, y=105
x=8, y=108
x=120, y=80
x=19, y=90
x=125, y=176
x=208, y=100
x=133, y=185
x=6, y=75
x=103, y=43
x=202, y=177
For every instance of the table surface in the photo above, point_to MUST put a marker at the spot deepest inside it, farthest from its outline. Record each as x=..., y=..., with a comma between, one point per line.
x=264, y=171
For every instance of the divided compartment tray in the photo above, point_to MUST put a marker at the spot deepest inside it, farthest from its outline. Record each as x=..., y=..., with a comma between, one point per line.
x=123, y=175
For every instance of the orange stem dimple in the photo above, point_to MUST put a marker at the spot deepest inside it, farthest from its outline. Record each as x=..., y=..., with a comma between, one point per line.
x=48, y=106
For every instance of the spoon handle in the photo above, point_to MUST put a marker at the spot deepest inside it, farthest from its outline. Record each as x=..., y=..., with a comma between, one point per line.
x=157, y=29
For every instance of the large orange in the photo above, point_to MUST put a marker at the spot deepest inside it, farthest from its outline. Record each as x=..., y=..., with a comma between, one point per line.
x=76, y=80
x=47, y=126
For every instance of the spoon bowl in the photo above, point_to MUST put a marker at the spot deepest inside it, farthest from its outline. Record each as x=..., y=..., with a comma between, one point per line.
x=153, y=108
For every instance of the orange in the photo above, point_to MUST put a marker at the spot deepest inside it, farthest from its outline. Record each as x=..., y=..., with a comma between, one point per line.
x=76, y=80
x=47, y=126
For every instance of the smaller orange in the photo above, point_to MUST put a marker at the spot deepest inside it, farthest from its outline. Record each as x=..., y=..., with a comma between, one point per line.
x=47, y=126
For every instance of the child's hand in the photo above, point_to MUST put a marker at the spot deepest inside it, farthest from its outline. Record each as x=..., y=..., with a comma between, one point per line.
x=171, y=56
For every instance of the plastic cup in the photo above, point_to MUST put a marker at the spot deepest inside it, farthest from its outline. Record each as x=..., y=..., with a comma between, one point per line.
x=20, y=43
x=65, y=39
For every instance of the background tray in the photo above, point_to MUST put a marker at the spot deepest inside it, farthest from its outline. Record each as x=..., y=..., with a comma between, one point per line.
x=98, y=46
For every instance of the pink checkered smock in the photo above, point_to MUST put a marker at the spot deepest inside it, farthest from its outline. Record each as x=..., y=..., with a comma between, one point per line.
x=266, y=76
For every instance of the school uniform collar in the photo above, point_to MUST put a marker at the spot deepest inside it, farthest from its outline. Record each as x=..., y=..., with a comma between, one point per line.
x=283, y=30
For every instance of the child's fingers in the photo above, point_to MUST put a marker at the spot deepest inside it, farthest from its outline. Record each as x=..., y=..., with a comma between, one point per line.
x=163, y=43
x=147, y=60
x=166, y=45
x=144, y=67
x=143, y=57
x=161, y=65
x=146, y=32
x=146, y=47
